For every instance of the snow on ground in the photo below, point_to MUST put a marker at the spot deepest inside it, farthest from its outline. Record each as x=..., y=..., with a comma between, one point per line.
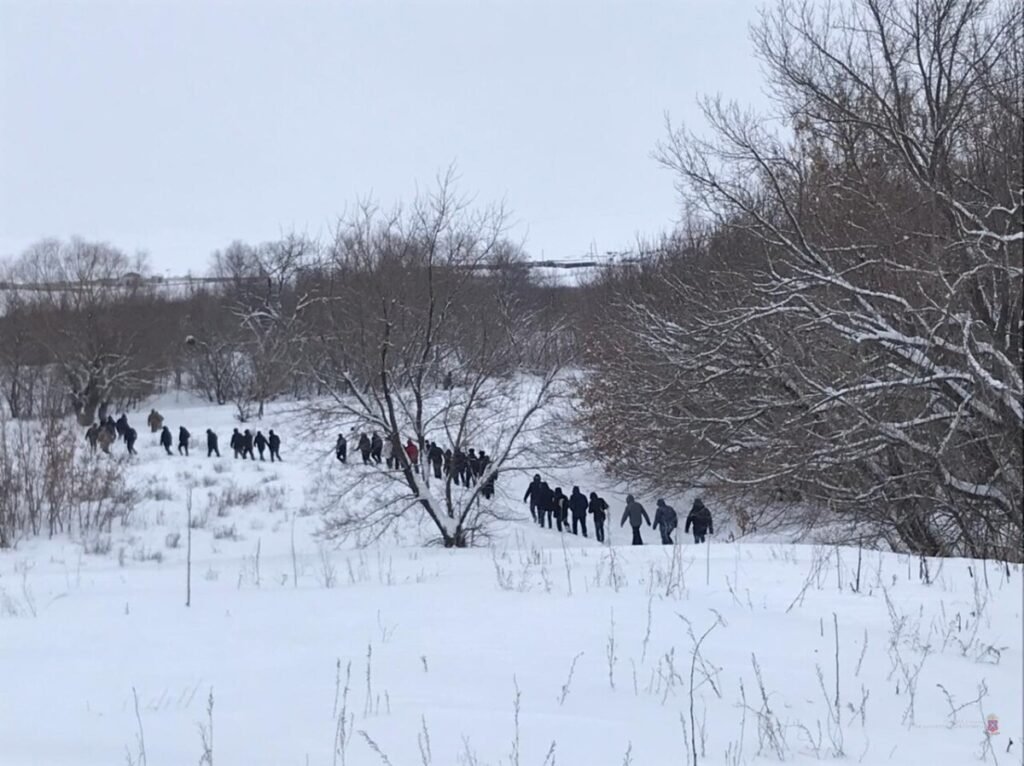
x=542, y=649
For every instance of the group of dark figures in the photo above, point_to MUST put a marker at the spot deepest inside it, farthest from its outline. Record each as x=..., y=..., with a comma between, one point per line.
x=105, y=433
x=464, y=468
x=552, y=505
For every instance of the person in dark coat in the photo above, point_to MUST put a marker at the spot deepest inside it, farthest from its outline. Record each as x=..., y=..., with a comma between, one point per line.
x=472, y=472
x=665, y=521
x=166, y=440
x=122, y=425
x=436, y=457
x=449, y=459
x=459, y=468
x=637, y=516
x=111, y=426
x=274, y=444
x=578, y=507
x=487, y=487
x=236, y=443
x=247, y=445
x=183, y=437
x=211, y=444
x=104, y=407
x=560, y=503
x=261, y=443
x=155, y=421
x=376, y=448
x=533, y=495
x=700, y=518
x=130, y=435
x=92, y=434
x=365, y=448
x=598, y=509
x=341, y=449
x=545, y=504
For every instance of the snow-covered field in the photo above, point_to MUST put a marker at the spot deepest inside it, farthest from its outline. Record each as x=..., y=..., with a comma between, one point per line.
x=542, y=649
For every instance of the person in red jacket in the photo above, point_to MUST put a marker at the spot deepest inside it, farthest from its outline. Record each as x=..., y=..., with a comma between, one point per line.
x=412, y=452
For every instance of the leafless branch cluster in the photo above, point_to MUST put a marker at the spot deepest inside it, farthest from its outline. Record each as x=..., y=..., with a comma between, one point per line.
x=840, y=324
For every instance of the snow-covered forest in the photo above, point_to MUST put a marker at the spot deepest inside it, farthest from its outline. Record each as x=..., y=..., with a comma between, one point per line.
x=825, y=351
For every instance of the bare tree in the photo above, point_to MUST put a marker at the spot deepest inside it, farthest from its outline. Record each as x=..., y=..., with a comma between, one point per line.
x=852, y=331
x=417, y=340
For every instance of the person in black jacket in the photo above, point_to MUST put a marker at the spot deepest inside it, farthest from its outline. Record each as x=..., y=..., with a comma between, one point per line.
x=274, y=443
x=459, y=467
x=436, y=457
x=487, y=488
x=261, y=443
x=365, y=448
x=341, y=449
x=183, y=437
x=166, y=440
x=665, y=521
x=532, y=494
x=700, y=518
x=545, y=504
x=598, y=509
x=237, y=443
x=211, y=444
x=122, y=425
x=578, y=507
x=130, y=436
x=560, y=503
x=376, y=448
x=247, y=445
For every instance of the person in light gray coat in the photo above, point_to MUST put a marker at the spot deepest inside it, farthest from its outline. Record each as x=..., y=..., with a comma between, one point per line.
x=665, y=521
x=637, y=516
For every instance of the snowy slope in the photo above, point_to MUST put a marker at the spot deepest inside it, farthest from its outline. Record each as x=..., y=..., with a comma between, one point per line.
x=542, y=649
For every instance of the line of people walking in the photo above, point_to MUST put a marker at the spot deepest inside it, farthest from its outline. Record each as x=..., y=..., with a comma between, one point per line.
x=103, y=435
x=465, y=469
x=555, y=508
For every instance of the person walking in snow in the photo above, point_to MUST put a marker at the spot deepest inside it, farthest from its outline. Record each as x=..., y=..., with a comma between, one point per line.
x=122, y=426
x=105, y=438
x=459, y=466
x=341, y=449
x=637, y=516
x=92, y=434
x=665, y=521
x=130, y=436
x=533, y=492
x=211, y=444
x=598, y=509
x=236, y=443
x=183, y=437
x=560, y=503
x=388, y=451
x=155, y=421
x=412, y=452
x=365, y=448
x=436, y=457
x=376, y=447
x=487, y=487
x=247, y=443
x=700, y=518
x=545, y=504
x=261, y=443
x=166, y=440
x=578, y=507
x=274, y=444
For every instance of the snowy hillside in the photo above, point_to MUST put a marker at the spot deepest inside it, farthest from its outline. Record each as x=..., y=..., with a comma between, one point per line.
x=541, y=649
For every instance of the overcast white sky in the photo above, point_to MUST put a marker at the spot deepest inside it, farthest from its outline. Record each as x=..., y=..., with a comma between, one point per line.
x=176, y=127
